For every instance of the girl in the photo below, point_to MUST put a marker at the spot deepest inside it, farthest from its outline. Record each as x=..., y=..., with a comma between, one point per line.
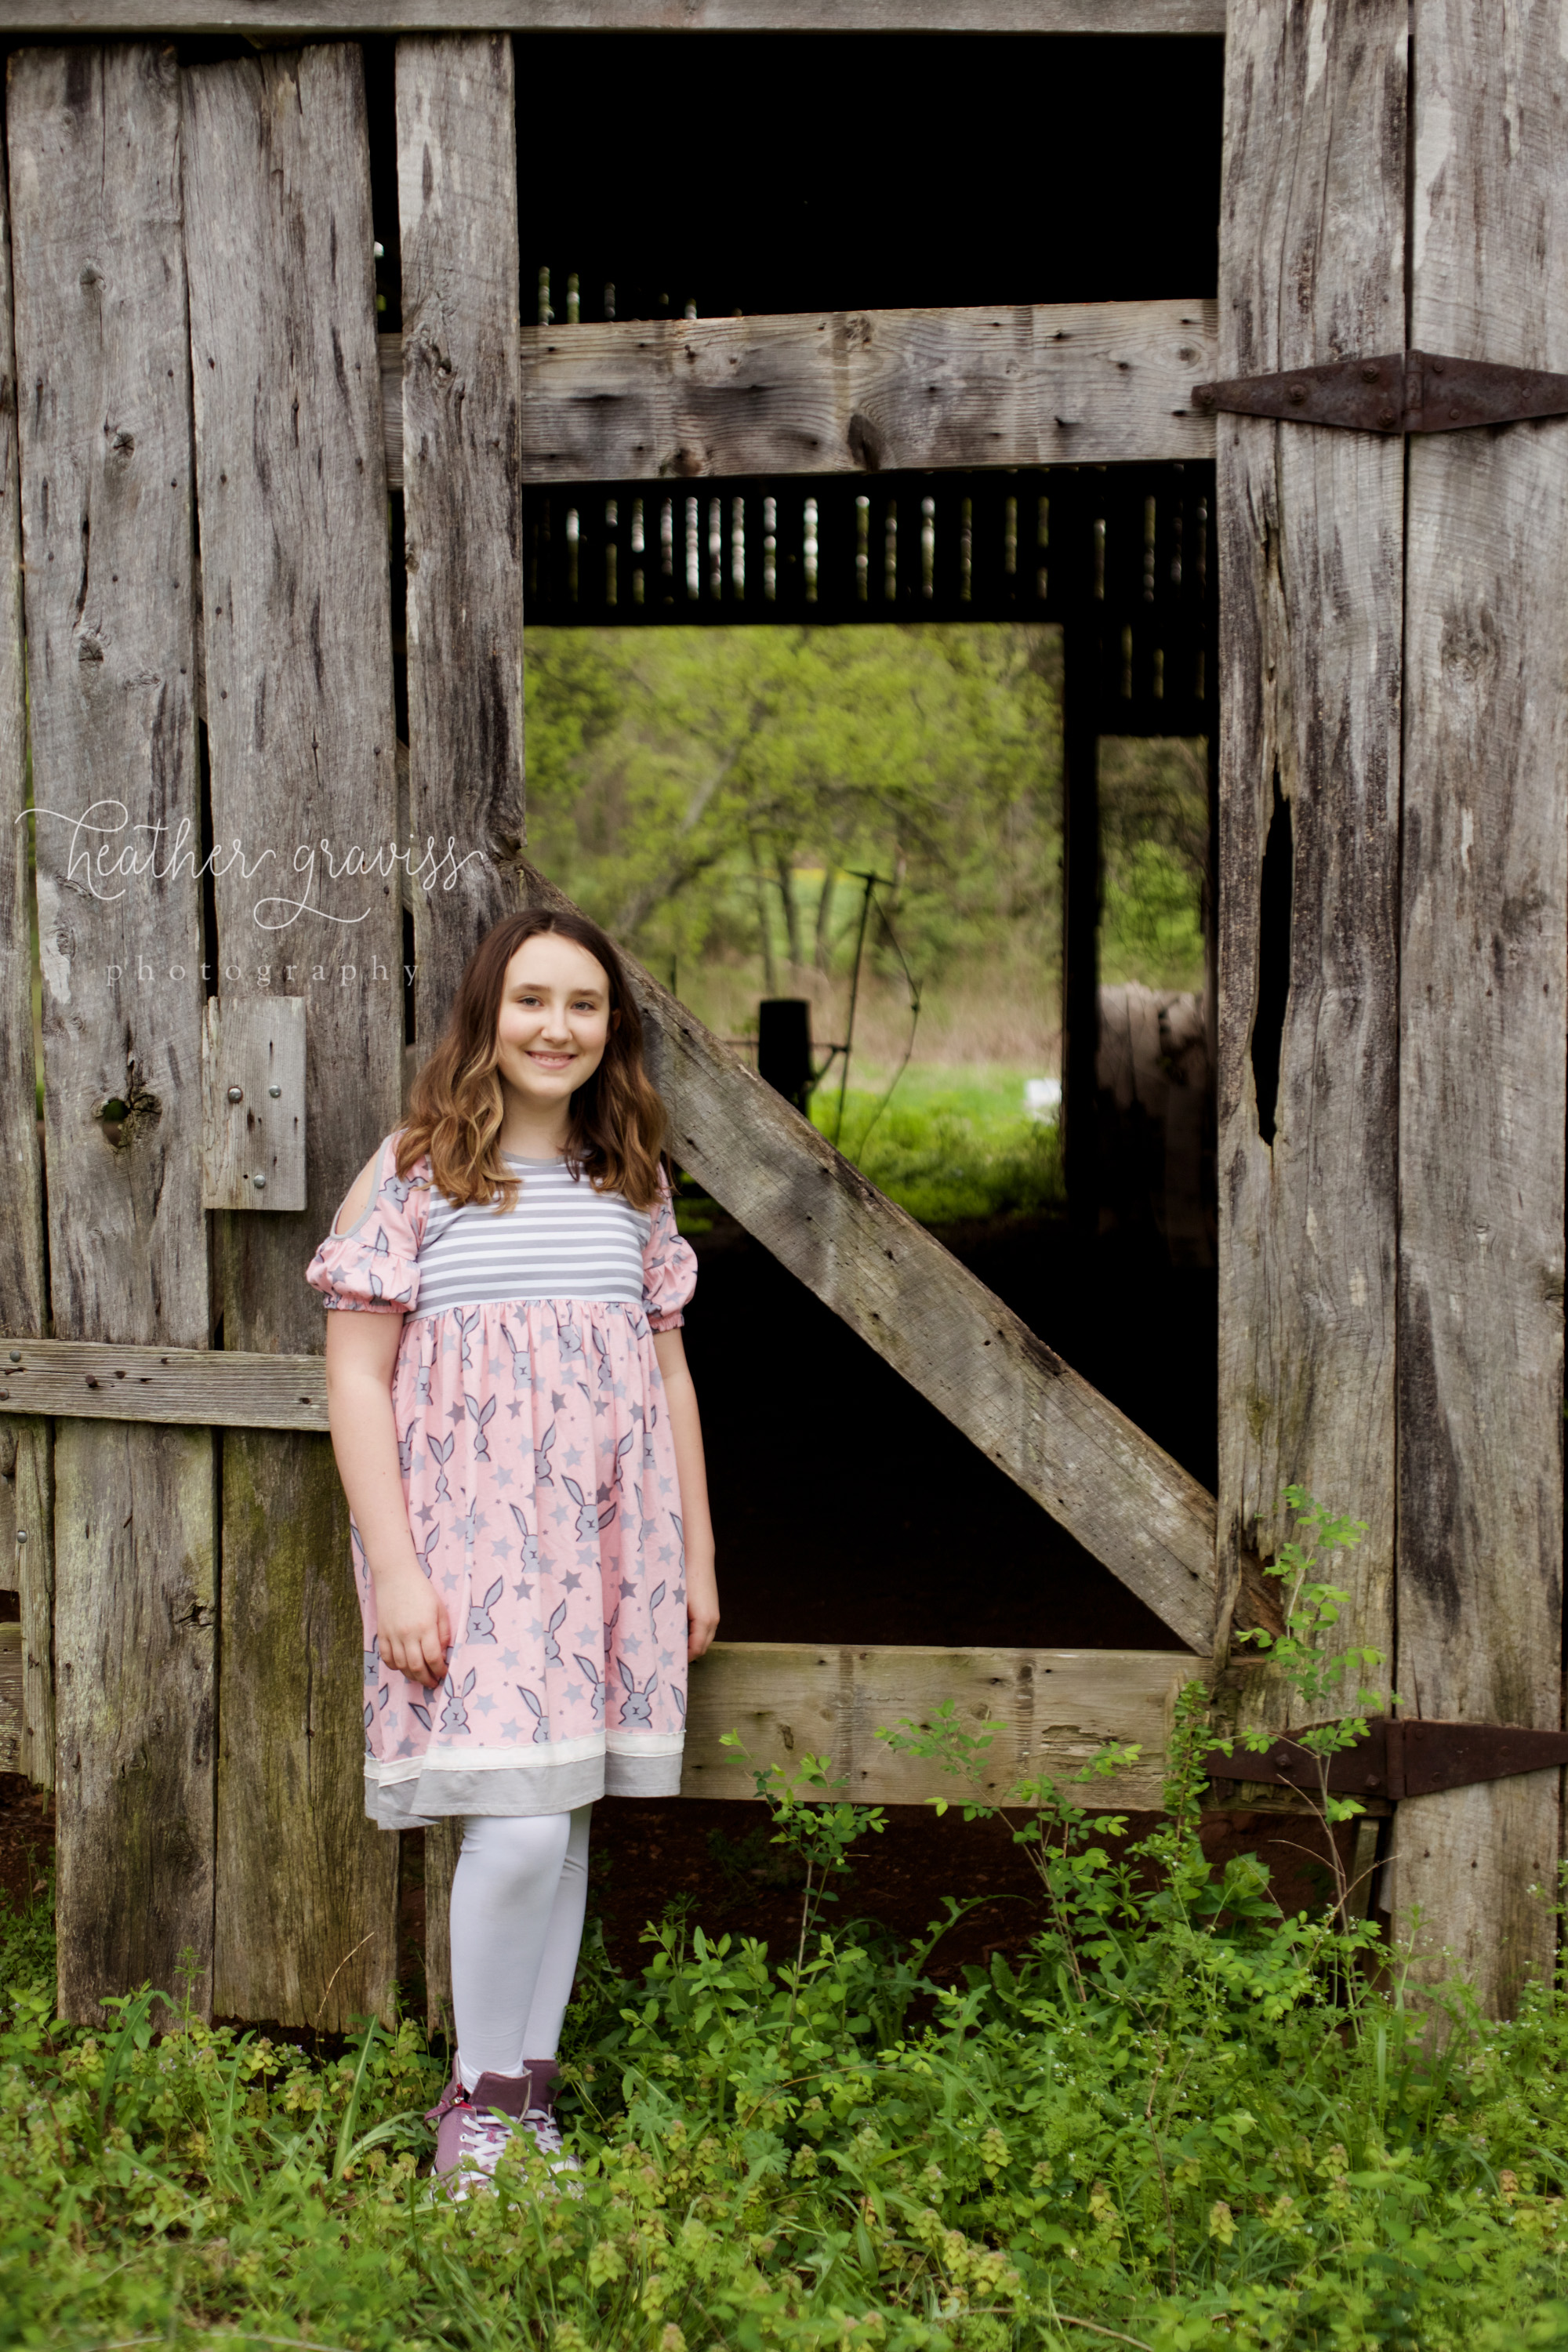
x=517, y=1437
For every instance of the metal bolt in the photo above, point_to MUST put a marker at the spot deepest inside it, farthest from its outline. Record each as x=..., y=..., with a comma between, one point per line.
x=259, y=1182
x=236, y=1094
x=274, y=1092
x=21, y=1535
x=1436, y=367
x=1369, y=373
x=1386, y=416
x=15, y=1355
x=1297, y=394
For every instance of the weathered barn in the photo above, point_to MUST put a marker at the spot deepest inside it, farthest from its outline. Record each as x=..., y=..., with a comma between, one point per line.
x=211, y=647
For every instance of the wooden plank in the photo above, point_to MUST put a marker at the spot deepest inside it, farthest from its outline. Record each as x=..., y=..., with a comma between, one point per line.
x=23, y=1289
x=866, y=391
x=253, y=1103
x=278, y=18
x=33, y=1503
x=103, y=352
x=1050, y=1710
x=1484, y=933
x=443, y=1843
x=1063, y=383
x=10, y=1699
x=900, y=1291
x=457, y=191
x=135, y=1612
x=26, y=1475
x=299, y=670
x=1046, y=1711
x=27, y=1569
x=93, y=1380
x=1310, y=531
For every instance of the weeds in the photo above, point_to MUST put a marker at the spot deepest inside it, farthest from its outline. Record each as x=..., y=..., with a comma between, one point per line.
x=1180, y=2121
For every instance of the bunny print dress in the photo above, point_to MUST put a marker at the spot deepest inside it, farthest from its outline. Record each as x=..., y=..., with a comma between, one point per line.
x=539, y=1471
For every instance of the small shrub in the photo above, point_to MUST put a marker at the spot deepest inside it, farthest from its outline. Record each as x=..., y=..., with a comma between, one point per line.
x=1182, y=2121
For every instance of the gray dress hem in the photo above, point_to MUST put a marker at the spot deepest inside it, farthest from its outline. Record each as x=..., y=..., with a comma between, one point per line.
x=418, y=1803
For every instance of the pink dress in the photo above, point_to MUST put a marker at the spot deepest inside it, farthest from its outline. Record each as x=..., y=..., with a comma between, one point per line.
x=539, y=1471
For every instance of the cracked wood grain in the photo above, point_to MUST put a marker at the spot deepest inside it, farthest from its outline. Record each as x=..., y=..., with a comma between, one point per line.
x=94, y=138
x=299, y=715
x=1311, y=548
x=1483, y=942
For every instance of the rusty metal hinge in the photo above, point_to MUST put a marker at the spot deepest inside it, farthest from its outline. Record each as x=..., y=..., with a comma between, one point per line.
x=1400, y=392
x=1400, y=1757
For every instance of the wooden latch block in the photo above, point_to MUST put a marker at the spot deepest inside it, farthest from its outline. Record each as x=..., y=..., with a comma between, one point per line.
x=253, y=1103
x=1392, y=393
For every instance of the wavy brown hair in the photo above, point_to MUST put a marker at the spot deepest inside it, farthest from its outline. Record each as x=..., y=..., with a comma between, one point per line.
x=456, y=1111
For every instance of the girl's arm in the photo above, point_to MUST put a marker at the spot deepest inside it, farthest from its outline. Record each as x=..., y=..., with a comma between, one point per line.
x=686, y=1428
x=412, y=1627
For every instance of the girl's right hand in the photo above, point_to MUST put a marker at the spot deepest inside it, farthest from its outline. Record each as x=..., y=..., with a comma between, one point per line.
x=414, y=1633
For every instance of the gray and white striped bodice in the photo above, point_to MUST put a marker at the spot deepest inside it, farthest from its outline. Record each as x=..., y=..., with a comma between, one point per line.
x=562, y=1240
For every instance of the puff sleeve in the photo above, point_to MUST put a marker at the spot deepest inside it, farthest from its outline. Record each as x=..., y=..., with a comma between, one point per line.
x=669, y=1266
x=375, y=1265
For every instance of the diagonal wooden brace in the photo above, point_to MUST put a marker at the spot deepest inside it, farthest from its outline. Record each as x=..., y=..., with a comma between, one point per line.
x=899, y=1290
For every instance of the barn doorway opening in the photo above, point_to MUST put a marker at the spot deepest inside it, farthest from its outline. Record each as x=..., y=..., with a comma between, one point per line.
x=950, y=800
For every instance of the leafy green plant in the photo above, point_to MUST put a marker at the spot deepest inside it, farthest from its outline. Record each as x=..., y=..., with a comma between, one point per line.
x=1326, y=1686
x=817, y=1827
x=1207, y=2128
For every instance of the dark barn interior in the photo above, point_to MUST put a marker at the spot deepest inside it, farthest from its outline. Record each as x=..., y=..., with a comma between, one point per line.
x=854, y=1534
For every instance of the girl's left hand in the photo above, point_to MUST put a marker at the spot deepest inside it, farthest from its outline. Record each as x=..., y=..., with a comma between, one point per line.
x=701, y=1606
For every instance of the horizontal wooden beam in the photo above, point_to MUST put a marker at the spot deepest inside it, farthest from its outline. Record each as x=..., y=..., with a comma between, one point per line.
x=835, y=392
x=957, y=1345
x=334, y=20
x=90, y=1380
x=1045, y=1711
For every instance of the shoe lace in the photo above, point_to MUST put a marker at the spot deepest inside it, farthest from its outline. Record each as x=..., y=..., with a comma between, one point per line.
x=542, y=2125
x=482, y=2138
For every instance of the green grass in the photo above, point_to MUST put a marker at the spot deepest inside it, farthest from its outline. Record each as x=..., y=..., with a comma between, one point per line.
x=952, y=1145
x=1181, y=2122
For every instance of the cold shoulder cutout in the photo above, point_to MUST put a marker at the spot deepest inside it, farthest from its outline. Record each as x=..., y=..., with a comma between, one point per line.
x=370, y=1263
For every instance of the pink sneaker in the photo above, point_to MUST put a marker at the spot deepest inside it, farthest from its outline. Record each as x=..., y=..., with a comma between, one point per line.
x=473, y=2127
x=540, y=2115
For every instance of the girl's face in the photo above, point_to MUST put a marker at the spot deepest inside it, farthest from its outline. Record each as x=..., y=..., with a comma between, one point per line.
x=554, y=1021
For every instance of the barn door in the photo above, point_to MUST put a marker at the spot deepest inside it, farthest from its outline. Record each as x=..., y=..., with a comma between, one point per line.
x=198, y=503
x=1392, y=1045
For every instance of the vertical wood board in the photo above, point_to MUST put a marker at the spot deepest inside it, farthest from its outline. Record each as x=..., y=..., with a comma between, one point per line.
x=135, y=1667
x=443, y=1843
x=299, y=715
x=27, y=1569
x=1483, y=939
x=102, y=357
x=26, y=1561
x=456, y=185
x=1310, y=548
x=22, y=1280
x=105, y=446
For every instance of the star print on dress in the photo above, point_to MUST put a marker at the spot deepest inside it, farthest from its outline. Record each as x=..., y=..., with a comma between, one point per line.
x=549, y=1529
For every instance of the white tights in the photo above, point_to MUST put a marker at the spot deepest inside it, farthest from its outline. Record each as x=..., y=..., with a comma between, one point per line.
x=519, y=1894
